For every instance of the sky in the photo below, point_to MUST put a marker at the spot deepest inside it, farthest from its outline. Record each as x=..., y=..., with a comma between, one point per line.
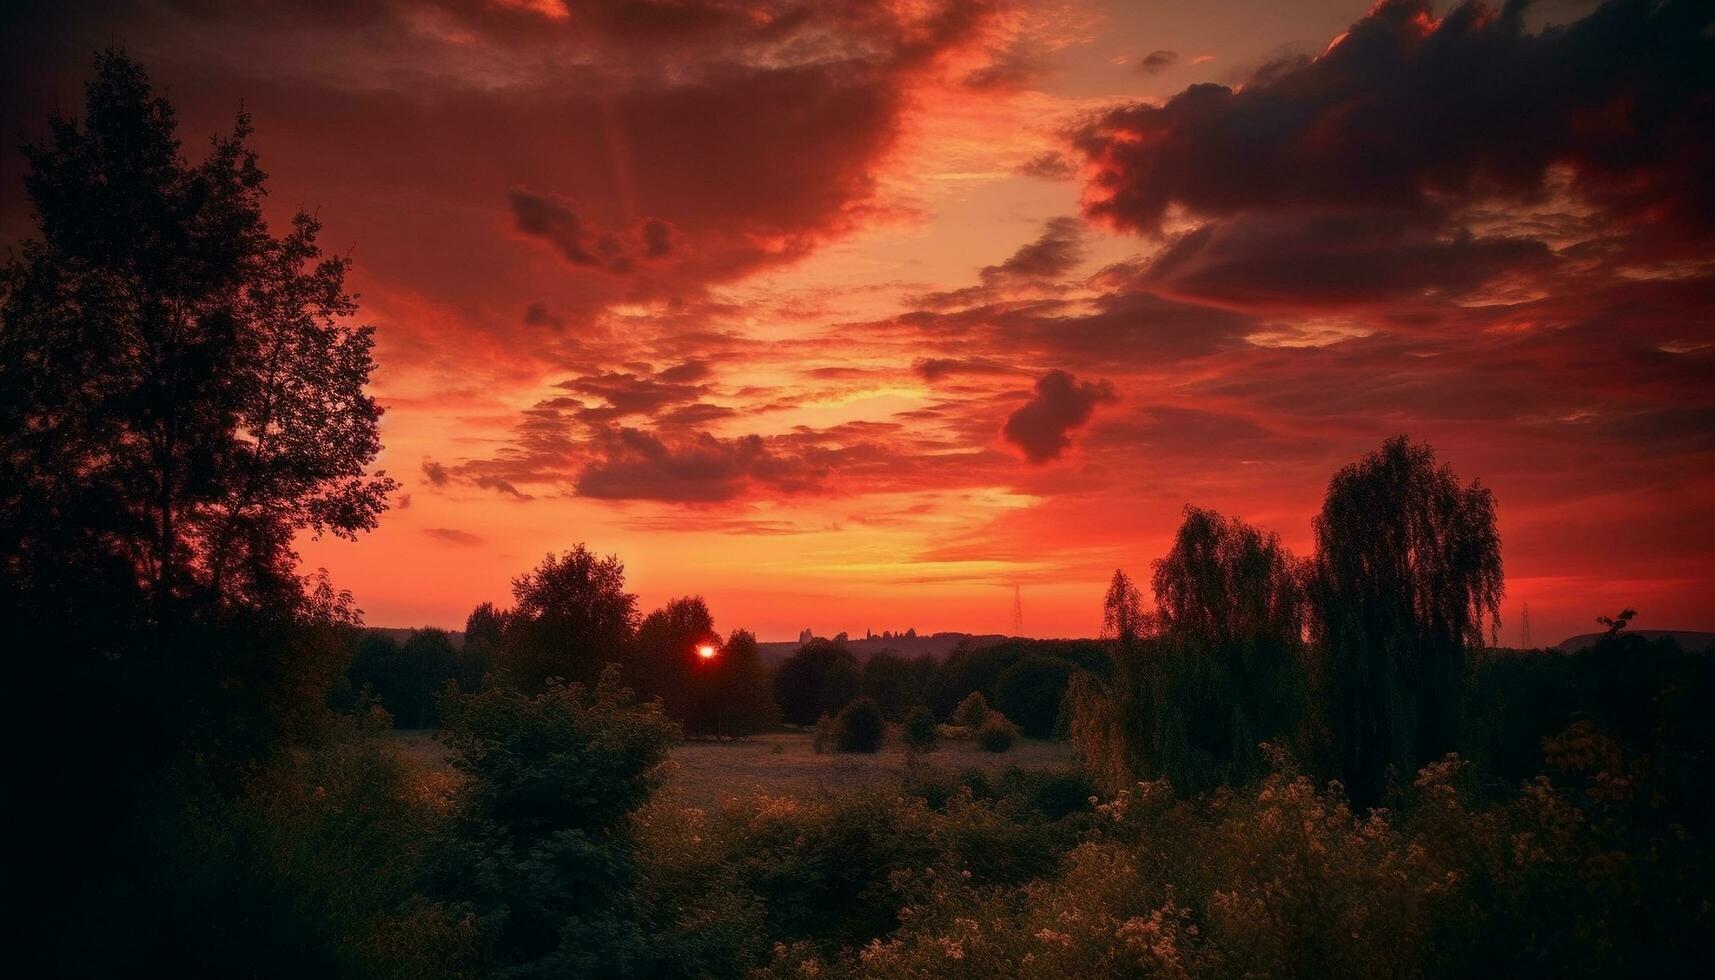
x=859, y=315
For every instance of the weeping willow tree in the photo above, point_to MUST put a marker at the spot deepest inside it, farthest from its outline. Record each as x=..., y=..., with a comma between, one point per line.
x=1214, y=672
x=1406, y=574
x=1230, y=616
x=1108, y=722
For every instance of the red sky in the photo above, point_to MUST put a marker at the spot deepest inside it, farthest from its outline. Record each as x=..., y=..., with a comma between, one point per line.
x=854, y=315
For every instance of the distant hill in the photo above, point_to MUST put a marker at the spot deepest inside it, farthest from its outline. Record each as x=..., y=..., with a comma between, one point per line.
x=937, y=645
x=1687, y=639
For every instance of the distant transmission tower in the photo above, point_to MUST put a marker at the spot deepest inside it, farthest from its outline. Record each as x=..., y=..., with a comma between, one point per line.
x=1017, y=610
x=1528, y=645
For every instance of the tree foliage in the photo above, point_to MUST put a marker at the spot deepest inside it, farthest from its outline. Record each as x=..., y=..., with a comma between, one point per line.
x=541, y=853
x=570, y=615
x=1406, y=575
x=801, y=682
x=860, y=726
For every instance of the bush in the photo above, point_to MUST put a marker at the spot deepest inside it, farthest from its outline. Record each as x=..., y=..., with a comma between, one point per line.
x=997, y=733
x=540, y=852
x=860, y=727
x=972, y=711
x=920, y=730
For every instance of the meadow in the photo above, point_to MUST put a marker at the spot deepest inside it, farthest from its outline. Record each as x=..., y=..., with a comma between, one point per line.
x=707, y=773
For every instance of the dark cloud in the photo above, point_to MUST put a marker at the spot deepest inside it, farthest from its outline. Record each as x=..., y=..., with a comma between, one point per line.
x=537, y=314
x=638, y=465
x=936, y=368
x=683, y=372
x=452, y=535
x=556, y=220
x=1043, y=426
x=1054, y=254
x=1037, y=264
x=628, y=394
x=435, y=473
x=1157, y=61
x=1051, y=165
x=1406, y=111
x=1339, y=258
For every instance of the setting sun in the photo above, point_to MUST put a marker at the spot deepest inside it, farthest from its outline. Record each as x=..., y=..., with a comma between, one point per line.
x=706, y=652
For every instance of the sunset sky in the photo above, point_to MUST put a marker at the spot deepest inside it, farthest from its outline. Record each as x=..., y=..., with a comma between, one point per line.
x=857, y=314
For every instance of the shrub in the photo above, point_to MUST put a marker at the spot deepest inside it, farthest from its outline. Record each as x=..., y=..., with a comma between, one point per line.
x=860, y=726
x=540, y=852
x=972, y=711
x=997, y=733
x=920, y=729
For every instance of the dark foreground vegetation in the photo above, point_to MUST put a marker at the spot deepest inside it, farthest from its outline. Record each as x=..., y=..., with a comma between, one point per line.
x=1290, y=767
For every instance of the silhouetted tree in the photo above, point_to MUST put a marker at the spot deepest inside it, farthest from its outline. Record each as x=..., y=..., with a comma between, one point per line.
x=570, y=615
x=841, y=685
x=1615, y=624
x=665, y=663
x=893, y=682
x=429, y=662
x=1407, y=570
x=485, y=622
x=736, y=697
x=182, y=393
x=1030, y=693
x=799, y=681
x=1228, y=660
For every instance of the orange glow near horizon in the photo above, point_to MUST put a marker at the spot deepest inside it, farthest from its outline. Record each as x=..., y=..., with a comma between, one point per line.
x=855, y=317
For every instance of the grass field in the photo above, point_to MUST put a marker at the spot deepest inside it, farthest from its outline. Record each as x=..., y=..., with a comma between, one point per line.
x=785, y=764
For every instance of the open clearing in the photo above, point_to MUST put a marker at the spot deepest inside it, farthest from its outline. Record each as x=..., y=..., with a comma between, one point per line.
x=785, y=764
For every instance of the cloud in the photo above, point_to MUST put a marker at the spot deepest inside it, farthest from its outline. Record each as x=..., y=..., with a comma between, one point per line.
x=638, y=465
x=1052, y=165
x=1055, y=253
x=435, y=473
x=685, y=371
x=537, y=314
x=1157, y=61
x=452, y=535
x=1405, y=110
x=1043, y=426
x=556, y=220
x=1318, y=260
x=936, y=368
x=1035, y=265
x=628, y=394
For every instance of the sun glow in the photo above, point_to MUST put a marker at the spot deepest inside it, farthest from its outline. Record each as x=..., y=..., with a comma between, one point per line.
x=706, y=651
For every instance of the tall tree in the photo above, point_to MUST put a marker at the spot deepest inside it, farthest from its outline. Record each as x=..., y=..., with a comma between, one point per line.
x=1230, y=620
x=1406, y=575
x=571, y=616
x=731, y=694
x=665, y=661
x=181, y=392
